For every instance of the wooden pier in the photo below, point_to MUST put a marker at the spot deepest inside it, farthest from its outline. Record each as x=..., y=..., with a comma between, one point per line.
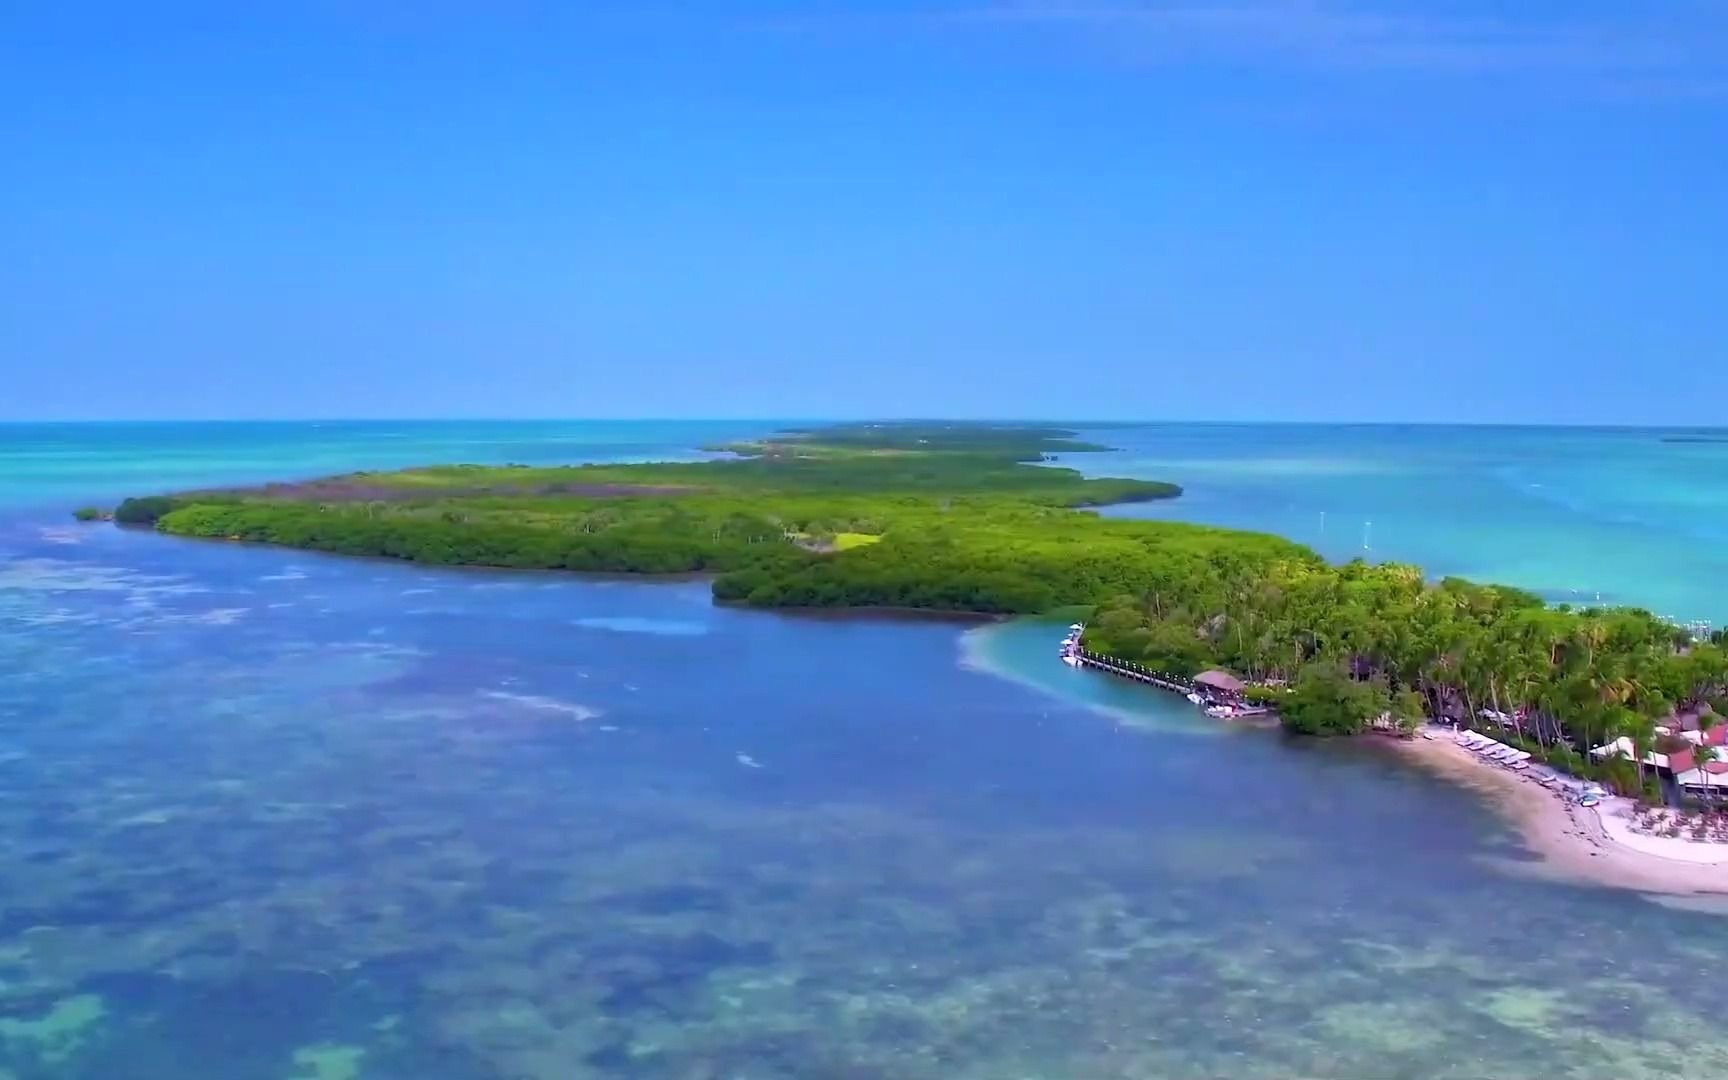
x=1163, y=680
x=1129, y=670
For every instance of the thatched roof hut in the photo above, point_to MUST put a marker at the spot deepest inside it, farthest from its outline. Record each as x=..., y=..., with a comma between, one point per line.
x=1220, y=682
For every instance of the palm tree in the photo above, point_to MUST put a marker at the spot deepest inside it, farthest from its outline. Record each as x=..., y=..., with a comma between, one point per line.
x=1642, y=732
x=1702, y=756
x=1705, y=753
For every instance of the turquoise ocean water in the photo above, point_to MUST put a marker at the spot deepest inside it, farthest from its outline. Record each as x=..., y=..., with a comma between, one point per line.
x=271, y=816
x=47, y=466
x=1632, y=516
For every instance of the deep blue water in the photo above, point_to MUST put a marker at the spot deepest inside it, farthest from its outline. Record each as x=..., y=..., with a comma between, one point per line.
x=265, y=814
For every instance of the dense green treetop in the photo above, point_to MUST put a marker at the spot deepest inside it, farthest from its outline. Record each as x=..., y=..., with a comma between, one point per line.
x=969, y=525
x=1023, y=443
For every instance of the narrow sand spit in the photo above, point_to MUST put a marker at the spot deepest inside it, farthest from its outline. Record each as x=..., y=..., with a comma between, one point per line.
x=1581, y=843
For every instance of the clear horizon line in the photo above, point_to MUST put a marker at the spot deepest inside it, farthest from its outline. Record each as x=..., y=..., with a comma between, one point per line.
x=1072, y=421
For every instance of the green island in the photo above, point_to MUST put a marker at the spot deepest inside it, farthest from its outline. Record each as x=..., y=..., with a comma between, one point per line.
x=969, y=517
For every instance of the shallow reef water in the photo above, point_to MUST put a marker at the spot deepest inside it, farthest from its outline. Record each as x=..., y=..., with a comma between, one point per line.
x=513, y=827
x=269, y=816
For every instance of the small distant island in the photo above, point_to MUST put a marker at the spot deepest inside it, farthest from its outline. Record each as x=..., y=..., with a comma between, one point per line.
x=968, y=517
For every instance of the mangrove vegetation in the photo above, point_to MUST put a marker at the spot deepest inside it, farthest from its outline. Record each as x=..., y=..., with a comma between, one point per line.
x=975, y=518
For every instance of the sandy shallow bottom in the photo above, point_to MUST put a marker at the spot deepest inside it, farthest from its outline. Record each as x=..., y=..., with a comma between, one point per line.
x=1572, y=841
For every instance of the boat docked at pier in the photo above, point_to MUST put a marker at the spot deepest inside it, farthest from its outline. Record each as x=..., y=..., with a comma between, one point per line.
x=1071, y=645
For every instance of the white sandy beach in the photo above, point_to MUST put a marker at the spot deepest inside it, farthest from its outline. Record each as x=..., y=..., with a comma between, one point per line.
x=1596, y=844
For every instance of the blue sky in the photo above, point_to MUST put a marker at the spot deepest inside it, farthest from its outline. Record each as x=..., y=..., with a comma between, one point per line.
x=1301, y=209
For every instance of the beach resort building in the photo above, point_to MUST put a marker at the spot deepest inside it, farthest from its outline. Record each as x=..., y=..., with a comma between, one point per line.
x=1693, y=760
x=1701, y=773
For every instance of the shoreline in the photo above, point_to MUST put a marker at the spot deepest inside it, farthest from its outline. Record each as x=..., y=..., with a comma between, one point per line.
x=1596, y=845
x=1572, y=842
